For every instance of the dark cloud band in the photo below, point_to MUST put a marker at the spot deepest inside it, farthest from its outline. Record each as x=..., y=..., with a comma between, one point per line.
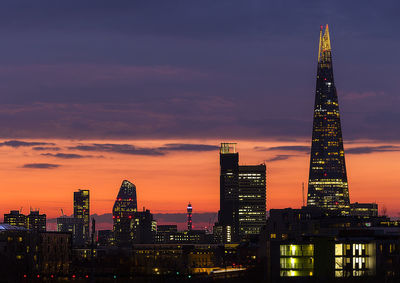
x=41, y=166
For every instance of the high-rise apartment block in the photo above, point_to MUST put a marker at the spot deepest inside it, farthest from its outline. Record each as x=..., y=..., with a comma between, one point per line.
x=36, y=221
x=82, y=211
x=15, y=218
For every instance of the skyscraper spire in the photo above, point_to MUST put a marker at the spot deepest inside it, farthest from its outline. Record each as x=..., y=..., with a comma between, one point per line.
x=327, y=185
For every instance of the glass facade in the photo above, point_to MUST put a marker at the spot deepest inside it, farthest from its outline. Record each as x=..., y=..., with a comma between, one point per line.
x=327, y=186
x=354, y=259
x=82, y=211
x=252, y=199
x=296, y=260
x=124, y=210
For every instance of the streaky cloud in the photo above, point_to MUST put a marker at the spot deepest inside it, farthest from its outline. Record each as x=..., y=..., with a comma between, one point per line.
x=118, y=148
x=280, y=157
x=40, y=166
x=306, y=149
x=149, y=151
x=67, y=155
x=40, y=148
x=188, y=147
x=17, y=143
x=372, y=149
x=298, y=148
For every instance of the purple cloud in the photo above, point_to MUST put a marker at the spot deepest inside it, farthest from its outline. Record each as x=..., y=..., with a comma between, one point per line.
x=41, y=166
x=66, y=155
x=17, y=143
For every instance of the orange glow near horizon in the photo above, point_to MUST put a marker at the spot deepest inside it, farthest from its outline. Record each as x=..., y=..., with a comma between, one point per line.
x=165, y=184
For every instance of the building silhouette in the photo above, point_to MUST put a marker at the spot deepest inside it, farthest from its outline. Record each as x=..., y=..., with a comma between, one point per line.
x=124, y=210
x=189, y=217
x=144, y=227
x=242, y=197
x=252, y=199
x=82, y=211
x=74, y=226
x=229, y=189
x=36, y=221
x=327, y=186
x=15, y=218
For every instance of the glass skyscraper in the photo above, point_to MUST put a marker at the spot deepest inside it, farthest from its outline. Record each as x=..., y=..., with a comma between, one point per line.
x=252, y=199
x=82, y=211
x=124, y=210
x=327, y=185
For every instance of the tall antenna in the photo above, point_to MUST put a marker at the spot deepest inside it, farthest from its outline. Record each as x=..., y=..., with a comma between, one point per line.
x=302, y=193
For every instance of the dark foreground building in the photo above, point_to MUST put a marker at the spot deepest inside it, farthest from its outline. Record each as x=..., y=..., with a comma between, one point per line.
x=327, y=185
x=31, y=255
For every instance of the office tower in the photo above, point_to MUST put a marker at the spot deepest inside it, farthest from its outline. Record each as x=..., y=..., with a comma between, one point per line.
x=36, y=221
x=15, y=218
x=252, y=199
x=327, y=185
x=189, y=217
x=74, y=226
x=82, y=211
x=144, y=227
x=124, y=210
x=229, y=189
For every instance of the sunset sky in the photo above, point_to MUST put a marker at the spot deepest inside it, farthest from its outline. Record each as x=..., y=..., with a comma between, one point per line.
x=95, y=92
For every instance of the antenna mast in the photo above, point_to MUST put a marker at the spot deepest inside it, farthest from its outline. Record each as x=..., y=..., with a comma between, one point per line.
x=302, y=193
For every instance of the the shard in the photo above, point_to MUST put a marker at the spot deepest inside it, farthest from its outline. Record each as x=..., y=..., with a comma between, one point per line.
x=327, y=185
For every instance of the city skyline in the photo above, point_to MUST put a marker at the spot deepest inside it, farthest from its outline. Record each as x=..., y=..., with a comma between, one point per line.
x=199, y=141
x=94, y=105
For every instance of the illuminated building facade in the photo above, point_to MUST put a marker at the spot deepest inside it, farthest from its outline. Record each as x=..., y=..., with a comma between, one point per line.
x=124, y=210
x=222, y=234
x=355, y=258
x=82, y=211
x=252, y=199
x=36, y=221
x=189, y=216
x=297, y=260
x=327, y=186
x=364, y=210
x=15, y=218
x=229, y=189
